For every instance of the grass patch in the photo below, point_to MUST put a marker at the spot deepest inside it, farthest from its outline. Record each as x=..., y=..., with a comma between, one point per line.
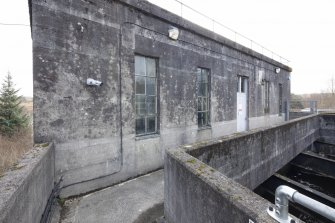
x=61, y=201
x=191, y=161
x=12, y=149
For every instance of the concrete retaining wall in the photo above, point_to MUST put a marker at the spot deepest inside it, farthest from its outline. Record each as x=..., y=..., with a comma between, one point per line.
x=327, y=128
x=294, y=115
x=324, y=149
x=252, y=157
x=196, y=193
x=24, y=190
x=213, y=181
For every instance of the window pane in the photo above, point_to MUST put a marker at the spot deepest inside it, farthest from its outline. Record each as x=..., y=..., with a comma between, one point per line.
x=200, y=89
x=203, y=91
x=151, y=67
x=151, y=86
x=140, y=126
x=204, y=76
x=205, y=104
x=140, y=85
x=242, y=85
x=199, y=104
x=200, y=119
x=151, y=105
x=198, y=75
x=206, y=118
x=140, y=68
x=151, y=124
x=140, y=105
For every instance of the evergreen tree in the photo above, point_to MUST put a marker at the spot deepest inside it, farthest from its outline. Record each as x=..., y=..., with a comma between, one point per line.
x=12, y=117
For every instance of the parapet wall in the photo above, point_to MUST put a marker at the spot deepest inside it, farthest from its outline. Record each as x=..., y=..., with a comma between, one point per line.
x=24, y=190
x=327, y=128
x=195, y=192
x=252, y=157
x=213, y=181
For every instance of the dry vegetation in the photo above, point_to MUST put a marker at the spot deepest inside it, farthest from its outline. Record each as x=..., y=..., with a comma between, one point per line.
x=12, y=148
x=324, y=100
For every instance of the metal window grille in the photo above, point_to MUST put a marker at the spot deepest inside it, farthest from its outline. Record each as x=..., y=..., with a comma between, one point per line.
x=280, y=99
x=266, y=87
x=203, y=85
x=145, y=95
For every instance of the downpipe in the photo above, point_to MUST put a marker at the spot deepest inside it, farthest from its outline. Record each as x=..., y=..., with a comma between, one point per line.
x=284, y=194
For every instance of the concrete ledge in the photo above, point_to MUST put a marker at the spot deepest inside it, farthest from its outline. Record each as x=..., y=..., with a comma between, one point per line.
x=25, y=189
x=195, y=192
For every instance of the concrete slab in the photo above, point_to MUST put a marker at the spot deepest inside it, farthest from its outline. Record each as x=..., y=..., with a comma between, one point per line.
x=137, y=200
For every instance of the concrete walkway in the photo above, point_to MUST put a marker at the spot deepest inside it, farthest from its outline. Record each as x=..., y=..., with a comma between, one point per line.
x=135, y=201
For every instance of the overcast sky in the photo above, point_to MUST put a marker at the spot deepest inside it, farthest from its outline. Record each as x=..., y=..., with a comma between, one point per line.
x=302, y=31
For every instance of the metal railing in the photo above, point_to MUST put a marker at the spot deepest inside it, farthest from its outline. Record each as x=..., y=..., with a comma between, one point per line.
x=284, y=194
x=179, y=8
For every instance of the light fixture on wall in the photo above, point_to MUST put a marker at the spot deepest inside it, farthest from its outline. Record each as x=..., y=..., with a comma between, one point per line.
x=92, y=82
x=173, y=33
x=277, y=69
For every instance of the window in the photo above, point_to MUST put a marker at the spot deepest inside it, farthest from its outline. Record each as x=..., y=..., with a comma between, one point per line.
x=145, y=95
x=242, y=84
x=266, y=88
x=203, y=83
x=280, y=99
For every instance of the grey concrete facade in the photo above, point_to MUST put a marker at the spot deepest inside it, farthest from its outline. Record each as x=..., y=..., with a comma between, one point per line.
x=24, y=190
x=93, y=128
x=213, y=181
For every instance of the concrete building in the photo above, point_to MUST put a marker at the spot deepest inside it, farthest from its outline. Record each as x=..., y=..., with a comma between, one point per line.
x=157, y=93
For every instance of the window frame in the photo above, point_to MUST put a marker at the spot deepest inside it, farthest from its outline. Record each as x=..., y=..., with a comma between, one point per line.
x=280, y=99
x=208, y=110
x=266, y=100
x=146, y=115
x=242, y=84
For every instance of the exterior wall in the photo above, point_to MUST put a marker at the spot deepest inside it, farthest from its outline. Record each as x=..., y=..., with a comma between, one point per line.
x=24, y=191
x=94, y=127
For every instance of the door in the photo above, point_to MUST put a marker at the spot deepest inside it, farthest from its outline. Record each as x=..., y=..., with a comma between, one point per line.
x=242, y=104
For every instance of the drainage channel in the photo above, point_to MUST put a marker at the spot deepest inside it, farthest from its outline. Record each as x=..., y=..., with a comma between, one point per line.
x=311, y=174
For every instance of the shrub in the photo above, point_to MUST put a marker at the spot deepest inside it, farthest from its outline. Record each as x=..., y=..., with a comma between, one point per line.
x=12, y=117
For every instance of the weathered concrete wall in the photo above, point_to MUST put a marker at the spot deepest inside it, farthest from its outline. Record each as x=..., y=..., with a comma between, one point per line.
x=213, y=181
x=204, y=181
x=24, y=191
x=94, y=127
x=196, y=193
x=294, y=115
x=327, y=128
x=250, y=158
x=323, y=148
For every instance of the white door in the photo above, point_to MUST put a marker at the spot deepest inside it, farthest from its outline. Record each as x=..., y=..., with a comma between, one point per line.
x=242, y=104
